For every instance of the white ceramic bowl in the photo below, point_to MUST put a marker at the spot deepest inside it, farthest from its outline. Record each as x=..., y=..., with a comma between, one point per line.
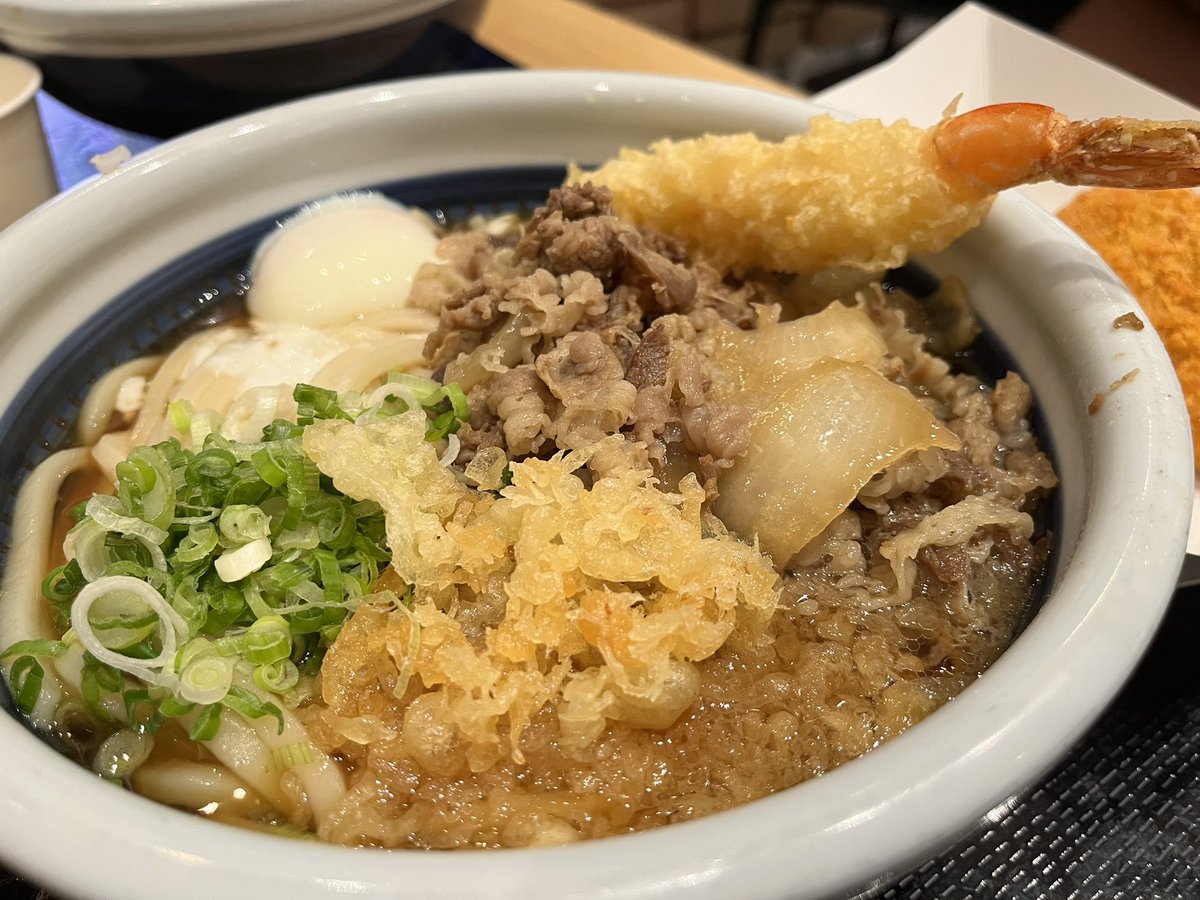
x=1126, y=490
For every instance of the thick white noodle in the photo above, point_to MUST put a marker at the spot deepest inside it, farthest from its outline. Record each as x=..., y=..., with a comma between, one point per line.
x=110, y=449
x=188, y=784
x=204, y=389
x=97, y=409
x=399, y=320
x=177, y=366
x=357, y=369
x=69, y=668
x=23, y=613
x=259, y=755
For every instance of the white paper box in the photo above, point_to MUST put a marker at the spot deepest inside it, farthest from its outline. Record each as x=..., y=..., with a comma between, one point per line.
x=989, y=59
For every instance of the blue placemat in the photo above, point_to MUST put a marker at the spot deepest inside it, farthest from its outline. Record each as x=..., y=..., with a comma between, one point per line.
x=75, y=138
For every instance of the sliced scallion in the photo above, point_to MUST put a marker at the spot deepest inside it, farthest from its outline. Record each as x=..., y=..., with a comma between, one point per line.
x=206, y=679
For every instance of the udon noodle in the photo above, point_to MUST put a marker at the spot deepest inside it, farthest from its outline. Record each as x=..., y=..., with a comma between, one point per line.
x=588, y=529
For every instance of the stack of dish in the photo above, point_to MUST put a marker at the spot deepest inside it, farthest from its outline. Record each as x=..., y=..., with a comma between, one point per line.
x=163, y=66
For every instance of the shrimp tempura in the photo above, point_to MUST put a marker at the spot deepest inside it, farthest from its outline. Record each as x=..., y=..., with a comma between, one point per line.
x=868, y=196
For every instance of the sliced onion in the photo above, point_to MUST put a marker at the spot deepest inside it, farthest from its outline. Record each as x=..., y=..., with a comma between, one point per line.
x=499, y=354
x=764, y=360
x=811, y=451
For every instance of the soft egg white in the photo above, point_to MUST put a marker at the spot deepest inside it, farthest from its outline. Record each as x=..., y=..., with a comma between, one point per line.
x=338, y=260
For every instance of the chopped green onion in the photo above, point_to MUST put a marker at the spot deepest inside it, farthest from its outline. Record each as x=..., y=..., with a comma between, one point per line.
x=234, y=565
x=269, y=469
x=277, y=677
x=206, y=724
x=121, y=753
x=173, y=707
x=125, y=592
x=281, y=430
x=315, y=403
x=206, y=679
x=255, y=601
x=204, y=424
x=303, y=483
x=241, y=524
x=105, y=512
x=88, y=545
x=421, y=388
x=213, y=560
x=180, y=413
x=25, y=680
x=283, y=577
x=249, y=490
x=267, y=641
x=446, y=405
x=146, y=487
x=140, y=710
x=335, y=522
x=226, y=605
x=249, y=705
x=123, y=625
x=193, y=650
x=202, y=514
x=458, y=401
x=303, y=537
x=42, y=648
x=331, y=575
x=191, y=604
x=211, y=464
x=198, y=544
x=91, y=683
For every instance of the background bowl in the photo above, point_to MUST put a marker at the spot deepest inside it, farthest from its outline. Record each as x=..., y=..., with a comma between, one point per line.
x=163, y=66
x=1124, y=502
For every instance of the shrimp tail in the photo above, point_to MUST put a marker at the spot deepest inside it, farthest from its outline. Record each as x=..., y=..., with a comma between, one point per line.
x=1001, y=146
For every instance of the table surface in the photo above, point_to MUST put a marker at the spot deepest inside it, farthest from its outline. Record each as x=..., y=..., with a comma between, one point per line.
x=1120, y=816
x=572, y=35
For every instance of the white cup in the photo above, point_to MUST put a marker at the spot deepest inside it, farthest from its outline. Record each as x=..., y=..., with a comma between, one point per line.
x=26, y=171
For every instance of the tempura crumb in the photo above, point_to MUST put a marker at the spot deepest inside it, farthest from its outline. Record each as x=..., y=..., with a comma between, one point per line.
x=1129, y=320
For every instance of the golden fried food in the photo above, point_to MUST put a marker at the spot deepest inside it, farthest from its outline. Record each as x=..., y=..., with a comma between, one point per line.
x=868, y=195
x=1152, y=241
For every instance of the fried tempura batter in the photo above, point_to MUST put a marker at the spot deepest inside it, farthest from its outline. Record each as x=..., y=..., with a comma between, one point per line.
x=1152, y=241
x=868, y=196
x=814, y=201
